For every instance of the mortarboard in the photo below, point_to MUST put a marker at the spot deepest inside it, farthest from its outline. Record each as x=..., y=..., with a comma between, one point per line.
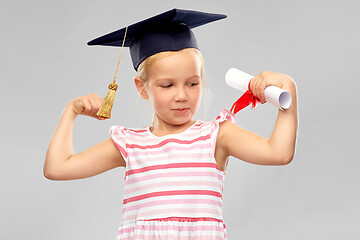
x=168, y=31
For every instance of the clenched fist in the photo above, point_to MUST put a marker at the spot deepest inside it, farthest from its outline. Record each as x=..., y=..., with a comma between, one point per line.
x=87, y=105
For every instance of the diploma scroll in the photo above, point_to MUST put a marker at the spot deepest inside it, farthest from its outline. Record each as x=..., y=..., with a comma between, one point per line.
x=274, y=95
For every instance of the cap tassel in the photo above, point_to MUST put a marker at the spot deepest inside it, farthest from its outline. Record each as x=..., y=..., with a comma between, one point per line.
x=108, y=102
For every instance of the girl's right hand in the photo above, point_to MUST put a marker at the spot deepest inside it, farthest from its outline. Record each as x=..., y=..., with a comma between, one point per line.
x=87, y=105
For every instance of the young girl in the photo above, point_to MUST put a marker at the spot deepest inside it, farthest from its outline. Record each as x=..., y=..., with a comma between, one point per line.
x=175, y=168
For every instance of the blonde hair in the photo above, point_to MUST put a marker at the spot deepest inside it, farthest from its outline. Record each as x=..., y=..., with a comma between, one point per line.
x=142, y=70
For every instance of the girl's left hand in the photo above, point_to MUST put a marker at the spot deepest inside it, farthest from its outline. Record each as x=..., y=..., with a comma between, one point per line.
x=264, y=79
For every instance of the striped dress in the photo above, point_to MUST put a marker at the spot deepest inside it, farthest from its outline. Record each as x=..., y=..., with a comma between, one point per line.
x=173, y=186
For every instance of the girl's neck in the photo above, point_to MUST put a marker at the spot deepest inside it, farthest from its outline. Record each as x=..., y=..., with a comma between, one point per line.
x=162, y=128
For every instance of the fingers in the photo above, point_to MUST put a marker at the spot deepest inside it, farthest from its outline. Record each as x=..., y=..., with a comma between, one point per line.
x=264, y=79
x=88, y=105
x=98, y=103
x=92, y=104
x=257, y=86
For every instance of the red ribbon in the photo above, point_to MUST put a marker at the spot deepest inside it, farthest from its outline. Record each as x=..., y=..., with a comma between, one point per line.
x=247, y=98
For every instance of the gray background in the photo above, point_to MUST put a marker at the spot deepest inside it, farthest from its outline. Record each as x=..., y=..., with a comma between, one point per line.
x=45, y=63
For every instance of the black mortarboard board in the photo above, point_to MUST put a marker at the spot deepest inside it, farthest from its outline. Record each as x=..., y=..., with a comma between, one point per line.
x=168, y=31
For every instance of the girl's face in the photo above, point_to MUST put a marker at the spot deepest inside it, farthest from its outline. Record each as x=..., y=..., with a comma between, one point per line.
x=174, y=87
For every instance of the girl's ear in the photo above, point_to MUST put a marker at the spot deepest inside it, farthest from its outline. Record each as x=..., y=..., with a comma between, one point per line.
x=140, y=85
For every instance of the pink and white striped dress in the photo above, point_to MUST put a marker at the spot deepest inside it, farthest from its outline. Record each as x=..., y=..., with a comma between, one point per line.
x=173, y=185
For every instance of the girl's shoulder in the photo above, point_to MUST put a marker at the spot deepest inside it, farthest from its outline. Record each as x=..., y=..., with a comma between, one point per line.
x=212, y=127
x=225, y=115
x=124, y=130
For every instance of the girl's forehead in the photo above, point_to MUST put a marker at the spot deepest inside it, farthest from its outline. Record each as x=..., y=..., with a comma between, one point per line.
x=179, y=64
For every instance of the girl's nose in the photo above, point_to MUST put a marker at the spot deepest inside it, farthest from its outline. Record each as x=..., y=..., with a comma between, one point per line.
x=180, y=94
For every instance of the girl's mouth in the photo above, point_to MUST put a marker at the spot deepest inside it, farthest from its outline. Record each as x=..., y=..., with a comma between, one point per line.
x=181, y=110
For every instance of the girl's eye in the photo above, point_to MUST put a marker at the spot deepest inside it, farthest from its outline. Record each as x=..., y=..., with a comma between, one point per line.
x=193, y=84
x=166, y=85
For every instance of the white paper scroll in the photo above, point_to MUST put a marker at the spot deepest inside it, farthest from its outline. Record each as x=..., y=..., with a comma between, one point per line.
x=274, y=95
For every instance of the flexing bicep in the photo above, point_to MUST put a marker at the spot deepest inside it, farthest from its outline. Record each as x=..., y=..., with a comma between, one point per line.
x=95, y=160
x=246, y=145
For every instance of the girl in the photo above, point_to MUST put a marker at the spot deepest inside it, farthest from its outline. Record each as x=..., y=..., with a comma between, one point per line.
x=175, y=168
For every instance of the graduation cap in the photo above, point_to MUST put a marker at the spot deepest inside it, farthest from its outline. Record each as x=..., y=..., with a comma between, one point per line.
x=168, y=31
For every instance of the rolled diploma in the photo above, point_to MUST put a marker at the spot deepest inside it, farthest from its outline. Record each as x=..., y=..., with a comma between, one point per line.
x=274, y=95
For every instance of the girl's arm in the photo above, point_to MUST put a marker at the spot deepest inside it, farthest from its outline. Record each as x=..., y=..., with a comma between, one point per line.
x=61, y=163
x=279, y=149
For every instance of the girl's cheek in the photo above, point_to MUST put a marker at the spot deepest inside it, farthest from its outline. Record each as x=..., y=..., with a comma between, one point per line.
x=196, y=92
x=163, y=96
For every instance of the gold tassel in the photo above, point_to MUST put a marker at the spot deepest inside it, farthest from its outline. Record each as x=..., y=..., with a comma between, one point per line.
x=107, y=104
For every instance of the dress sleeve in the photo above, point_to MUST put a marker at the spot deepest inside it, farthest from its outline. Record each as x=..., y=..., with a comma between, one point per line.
x=118, y=135
x=223, y=116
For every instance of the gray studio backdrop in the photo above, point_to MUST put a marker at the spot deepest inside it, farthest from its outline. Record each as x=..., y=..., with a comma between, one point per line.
x=45, y=63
